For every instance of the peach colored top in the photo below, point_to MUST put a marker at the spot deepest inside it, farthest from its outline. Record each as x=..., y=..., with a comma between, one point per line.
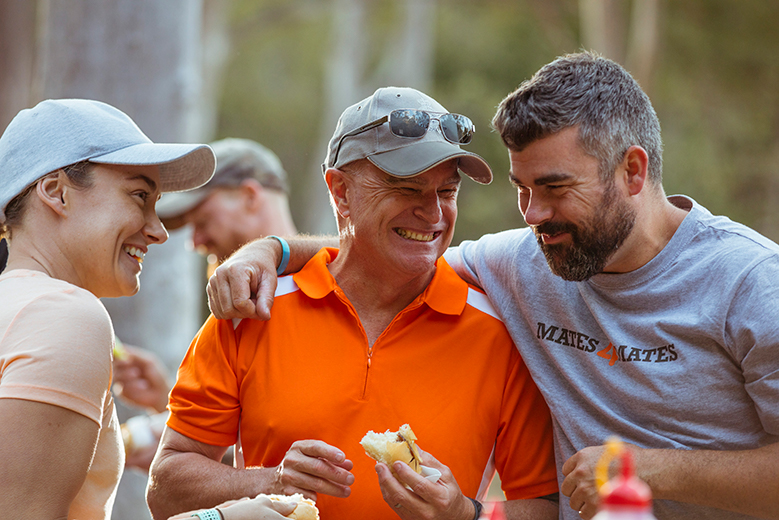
x=56, y=344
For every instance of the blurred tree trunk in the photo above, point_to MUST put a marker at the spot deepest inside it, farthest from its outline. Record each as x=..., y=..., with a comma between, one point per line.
x=342, y=87
x=407, y=61
x=17, y=48
x=628, y=38
x=602, y=27
x=642, y=41
x=410, y=62
x=146, y=58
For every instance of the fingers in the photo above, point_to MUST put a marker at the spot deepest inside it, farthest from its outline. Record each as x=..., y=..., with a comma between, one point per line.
x=394, y=493
x=413, y=496
x=311, y=467
x=265, y=292
x=588, y=511
x=258, y=508
x=231, y=292
x=282, y=508
x=244, y=285
x=580, y=487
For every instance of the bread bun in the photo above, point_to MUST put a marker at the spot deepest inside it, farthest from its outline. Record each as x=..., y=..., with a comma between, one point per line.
x=390, y=446
x=306, y=508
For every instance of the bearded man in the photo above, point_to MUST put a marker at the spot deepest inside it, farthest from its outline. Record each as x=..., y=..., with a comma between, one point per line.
x=655, y=320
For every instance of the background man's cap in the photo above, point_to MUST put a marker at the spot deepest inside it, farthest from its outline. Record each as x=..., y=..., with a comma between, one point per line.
x=60, y=132
x=236, y=161
x=399, y=156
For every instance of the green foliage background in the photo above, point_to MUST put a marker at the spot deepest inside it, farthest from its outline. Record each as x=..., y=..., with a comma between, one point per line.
x=715, y=86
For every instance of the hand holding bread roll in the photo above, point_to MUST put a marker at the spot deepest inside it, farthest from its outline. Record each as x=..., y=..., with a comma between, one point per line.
x=306, y=508
x=390, y=446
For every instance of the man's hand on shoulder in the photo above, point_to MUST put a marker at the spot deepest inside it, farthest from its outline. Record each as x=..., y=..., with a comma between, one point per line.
x=244, y=285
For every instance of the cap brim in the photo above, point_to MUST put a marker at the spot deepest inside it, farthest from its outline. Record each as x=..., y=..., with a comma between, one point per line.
x=172, y=205
x=182, y=166
x=420, y=157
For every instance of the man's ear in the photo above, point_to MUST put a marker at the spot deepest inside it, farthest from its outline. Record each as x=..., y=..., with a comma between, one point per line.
x=634, y=169
x=253, y=193
x=337, y=183
x=54, y=191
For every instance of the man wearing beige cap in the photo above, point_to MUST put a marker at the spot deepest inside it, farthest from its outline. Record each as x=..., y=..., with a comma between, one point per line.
x=373, y=335
x=246, y=199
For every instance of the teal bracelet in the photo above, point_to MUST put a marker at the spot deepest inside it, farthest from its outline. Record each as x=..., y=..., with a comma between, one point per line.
x=284, y=254
x=209, y=514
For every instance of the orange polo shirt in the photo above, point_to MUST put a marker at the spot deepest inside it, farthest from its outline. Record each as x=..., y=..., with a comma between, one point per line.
x=445, y=365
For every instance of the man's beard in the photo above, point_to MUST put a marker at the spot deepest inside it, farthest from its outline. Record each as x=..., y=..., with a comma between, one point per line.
x=593, y=243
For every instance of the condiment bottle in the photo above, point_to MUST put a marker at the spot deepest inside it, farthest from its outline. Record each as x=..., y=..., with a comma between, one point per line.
x=625, y=497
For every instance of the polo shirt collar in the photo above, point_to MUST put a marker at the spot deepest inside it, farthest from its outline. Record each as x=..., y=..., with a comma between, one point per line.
x=446, y=294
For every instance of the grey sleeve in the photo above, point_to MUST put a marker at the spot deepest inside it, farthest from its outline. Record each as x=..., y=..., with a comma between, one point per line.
x=461, y=258
x=752, y=331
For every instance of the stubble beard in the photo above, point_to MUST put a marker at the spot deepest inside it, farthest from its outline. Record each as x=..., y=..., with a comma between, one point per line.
x=593, y=243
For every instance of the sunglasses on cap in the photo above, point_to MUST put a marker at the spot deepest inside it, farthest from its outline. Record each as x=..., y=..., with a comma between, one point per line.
x=414, y=123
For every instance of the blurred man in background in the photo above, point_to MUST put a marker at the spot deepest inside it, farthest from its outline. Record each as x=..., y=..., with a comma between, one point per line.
x=246, y=199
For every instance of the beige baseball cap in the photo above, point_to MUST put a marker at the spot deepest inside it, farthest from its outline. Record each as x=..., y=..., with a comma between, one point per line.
x=360, y=134
x=236, y=160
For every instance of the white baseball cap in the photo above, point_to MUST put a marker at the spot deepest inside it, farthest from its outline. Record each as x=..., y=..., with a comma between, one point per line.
x=60, y=132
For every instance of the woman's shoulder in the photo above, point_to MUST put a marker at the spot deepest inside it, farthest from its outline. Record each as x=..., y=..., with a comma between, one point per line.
x=34, y=297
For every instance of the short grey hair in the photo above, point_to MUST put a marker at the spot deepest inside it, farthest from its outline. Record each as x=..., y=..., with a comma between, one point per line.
x=590, y=92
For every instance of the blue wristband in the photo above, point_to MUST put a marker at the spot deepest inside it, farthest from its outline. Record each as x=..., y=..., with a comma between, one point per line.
x=209, y=514
x=284, y=254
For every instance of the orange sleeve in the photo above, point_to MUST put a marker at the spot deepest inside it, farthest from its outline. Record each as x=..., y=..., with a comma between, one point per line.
x=524, y=454
x=204, y=402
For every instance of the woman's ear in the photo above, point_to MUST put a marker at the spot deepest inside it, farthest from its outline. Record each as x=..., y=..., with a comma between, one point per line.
x=338, y=185
x=54, y=191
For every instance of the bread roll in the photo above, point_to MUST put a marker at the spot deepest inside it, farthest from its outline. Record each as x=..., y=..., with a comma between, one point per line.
x=390, y=446
x=306, y=508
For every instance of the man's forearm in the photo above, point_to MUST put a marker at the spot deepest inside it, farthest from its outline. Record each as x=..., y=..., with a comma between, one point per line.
x=531, y=509
x=190, y=481
x=303, y=247
x=746, y=482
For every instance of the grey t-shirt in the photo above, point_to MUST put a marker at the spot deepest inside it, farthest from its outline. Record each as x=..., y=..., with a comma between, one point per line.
x=681, y=353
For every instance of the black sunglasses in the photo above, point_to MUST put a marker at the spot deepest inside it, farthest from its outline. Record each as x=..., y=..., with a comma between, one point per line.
x=414, y=123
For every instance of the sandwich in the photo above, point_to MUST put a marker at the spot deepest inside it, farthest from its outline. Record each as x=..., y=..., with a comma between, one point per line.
x=390, y=446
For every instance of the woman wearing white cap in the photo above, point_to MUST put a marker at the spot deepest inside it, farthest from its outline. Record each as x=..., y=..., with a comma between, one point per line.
x=78, y=186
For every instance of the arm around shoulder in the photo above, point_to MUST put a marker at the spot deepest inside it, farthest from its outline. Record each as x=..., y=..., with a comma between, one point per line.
x=243, y=286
